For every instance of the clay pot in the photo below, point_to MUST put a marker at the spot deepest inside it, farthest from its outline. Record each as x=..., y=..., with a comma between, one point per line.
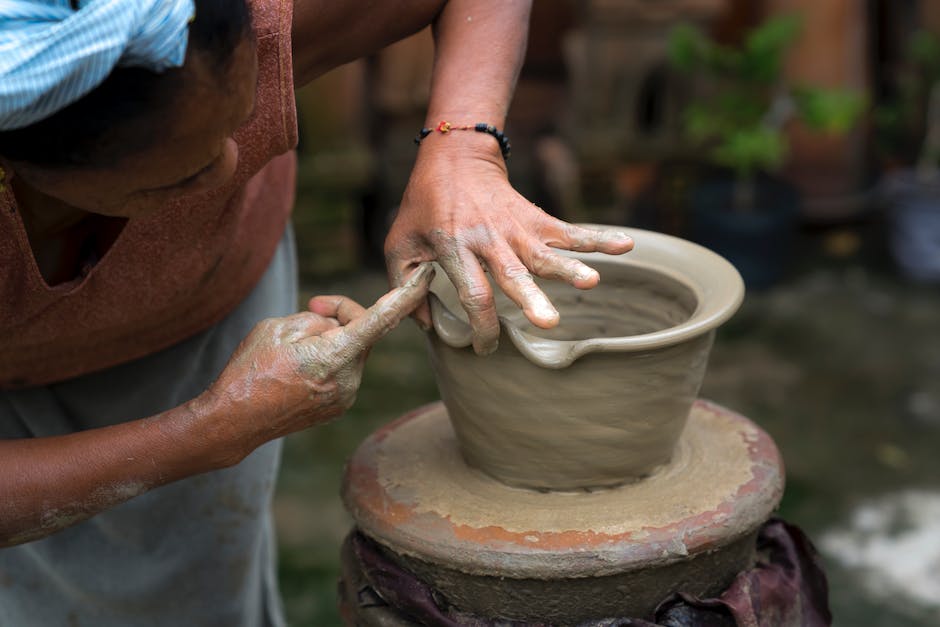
x=601, y=399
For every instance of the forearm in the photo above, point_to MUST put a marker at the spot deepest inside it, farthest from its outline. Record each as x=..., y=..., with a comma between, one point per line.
x=327, y=33
x=50, y=483
x=480, y=45
x=477, y=59
x=288, y=374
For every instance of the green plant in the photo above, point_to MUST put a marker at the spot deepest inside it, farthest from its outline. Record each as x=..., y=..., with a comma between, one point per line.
x=905, y=120
x=741, y=122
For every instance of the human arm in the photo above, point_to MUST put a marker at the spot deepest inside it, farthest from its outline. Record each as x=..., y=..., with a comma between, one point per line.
x=327, y=33
x=288, y=374
x=459, y=207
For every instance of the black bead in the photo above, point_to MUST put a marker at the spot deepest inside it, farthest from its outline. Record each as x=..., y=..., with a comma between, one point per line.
x=480, y=127
x=421, y=135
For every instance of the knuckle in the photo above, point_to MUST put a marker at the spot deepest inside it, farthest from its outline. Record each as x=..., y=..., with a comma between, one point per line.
x=310, y=364
x=516, y=272
x=577, y=237
x=477, y=299
x=570, y=267
x=387, y=321
x=442, y=240
x=543, y=261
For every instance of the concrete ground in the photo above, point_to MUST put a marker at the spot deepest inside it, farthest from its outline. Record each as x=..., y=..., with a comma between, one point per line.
x=840, y=364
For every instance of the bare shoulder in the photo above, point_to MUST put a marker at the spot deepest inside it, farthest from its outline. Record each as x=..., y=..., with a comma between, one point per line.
x=327, y=33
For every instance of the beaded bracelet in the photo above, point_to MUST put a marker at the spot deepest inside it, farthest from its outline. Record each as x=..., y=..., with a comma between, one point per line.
x=480, y=127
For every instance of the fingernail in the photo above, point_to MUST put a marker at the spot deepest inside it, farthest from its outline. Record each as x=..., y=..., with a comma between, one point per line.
x=545, y=311
x=424, y=326
x=619, y=235
x=422, y=274
x=485, y=349
x=586, y=274
x=485, y=344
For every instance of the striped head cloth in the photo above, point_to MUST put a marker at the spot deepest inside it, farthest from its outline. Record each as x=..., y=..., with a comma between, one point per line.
x=52, y=54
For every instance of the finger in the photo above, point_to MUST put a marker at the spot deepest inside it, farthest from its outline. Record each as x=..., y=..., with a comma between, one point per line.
x=422, y=315
x=341, y=308
x=476, y=296
x=548, y=264
x=304, y=324
x=515, y=280
x=398, y=269
x=361, y=333
x=572, y=237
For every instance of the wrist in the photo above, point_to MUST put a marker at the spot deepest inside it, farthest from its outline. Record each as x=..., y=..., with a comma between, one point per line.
x=463, y=142
x=209, y=426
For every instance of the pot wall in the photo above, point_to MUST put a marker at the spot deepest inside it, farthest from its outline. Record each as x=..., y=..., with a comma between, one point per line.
x=607, y=419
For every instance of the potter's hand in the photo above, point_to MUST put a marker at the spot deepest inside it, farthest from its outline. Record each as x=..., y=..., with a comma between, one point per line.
x=294, y=372
x=460, y=209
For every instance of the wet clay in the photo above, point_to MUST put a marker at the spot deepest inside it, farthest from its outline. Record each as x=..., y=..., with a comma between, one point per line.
x=598, y=423
x=601, y=399
x=710, y=456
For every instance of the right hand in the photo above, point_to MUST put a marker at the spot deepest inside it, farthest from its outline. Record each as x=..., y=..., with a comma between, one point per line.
x=301, y=370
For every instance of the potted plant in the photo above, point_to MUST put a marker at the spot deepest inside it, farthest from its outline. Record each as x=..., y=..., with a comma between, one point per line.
x=744, y=212
x=908, y=135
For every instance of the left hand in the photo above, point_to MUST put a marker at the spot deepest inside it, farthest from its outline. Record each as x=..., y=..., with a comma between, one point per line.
x=460, y=210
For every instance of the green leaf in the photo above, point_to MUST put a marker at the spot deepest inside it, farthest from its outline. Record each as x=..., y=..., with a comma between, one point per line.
x=726, y=61
x=687, y=47
x=765, y=46
x=924, y=51
x=731, y=122
x=750, y=150
x=829, y=110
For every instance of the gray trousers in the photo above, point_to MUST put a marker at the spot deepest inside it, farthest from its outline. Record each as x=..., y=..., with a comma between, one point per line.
x=196, y=552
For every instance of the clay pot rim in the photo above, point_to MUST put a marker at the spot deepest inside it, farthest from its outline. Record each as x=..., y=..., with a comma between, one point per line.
x=714, y=282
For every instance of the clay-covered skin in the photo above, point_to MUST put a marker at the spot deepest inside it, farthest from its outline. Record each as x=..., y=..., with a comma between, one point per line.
x=459, y=207
x=289, y=374
x=528, y=229
x=305, y=369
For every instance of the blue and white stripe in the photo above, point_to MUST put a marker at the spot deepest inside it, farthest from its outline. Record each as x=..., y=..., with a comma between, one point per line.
x=51, y=55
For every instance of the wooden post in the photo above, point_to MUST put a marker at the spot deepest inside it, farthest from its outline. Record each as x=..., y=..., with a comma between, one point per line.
x=930, y=11
x=831, y=52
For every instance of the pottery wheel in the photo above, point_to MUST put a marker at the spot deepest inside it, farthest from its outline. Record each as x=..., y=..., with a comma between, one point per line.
x=408, y=488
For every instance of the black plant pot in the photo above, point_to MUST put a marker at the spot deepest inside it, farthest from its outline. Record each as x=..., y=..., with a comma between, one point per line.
x=914, y=219
x=759, y=240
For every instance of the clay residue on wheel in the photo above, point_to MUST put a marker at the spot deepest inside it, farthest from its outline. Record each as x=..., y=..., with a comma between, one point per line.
x=711, y=463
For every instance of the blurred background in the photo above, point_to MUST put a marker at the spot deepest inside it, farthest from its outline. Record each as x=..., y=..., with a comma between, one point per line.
x=800, y=139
